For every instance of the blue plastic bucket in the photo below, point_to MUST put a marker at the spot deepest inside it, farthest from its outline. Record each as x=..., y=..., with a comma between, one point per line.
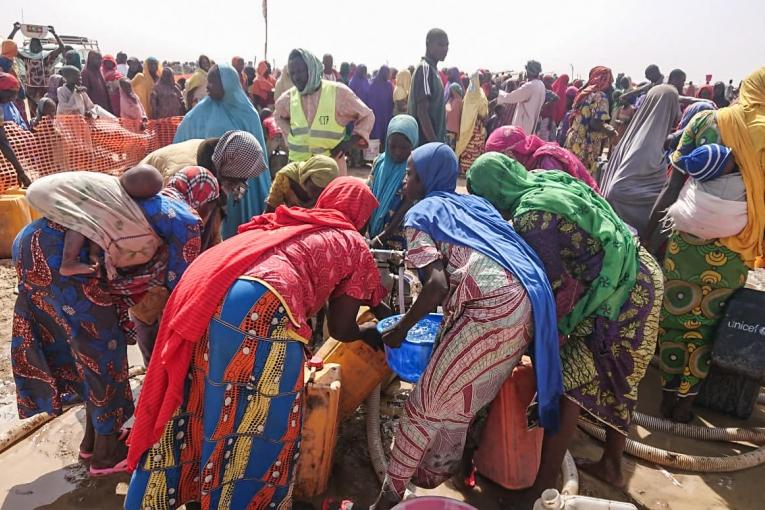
x=411, y=358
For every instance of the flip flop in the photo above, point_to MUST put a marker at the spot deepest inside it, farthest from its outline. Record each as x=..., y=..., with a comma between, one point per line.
x=120, y=467
x=470, y=480
x=85, y=455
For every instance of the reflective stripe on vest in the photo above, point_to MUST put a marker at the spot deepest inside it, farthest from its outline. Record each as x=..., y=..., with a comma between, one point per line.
x=323, y=135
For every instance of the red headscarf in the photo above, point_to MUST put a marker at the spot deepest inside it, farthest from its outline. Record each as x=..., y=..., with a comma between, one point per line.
x=110, y=74
x=514, y=142
x=600, y=80
x=558, y=108
x=346, y=204
x=8, y=82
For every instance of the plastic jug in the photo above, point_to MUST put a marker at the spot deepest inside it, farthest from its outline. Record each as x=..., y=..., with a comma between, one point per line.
x=320, y=421
x=552, y=500
x=509, y=454
x=433, y=503
x=16, y=214
x=363, y=367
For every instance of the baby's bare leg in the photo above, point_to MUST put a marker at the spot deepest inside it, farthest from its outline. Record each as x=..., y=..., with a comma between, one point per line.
x=70, y=259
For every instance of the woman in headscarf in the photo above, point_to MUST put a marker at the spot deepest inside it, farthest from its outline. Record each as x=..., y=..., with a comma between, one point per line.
x=225, y=399
x=166, y=97
x=70, y=334
x=143, y=82
x=589, y=119
x=496, y=301
x=227, y=108
x=131, y=107
x=94, y=82
x=401, y=92
x=300, y=183
x=636, y=173
x=233, y=159
x=262, y=89
x=719, y=95
x=386, y=181
x=112, y=79
x=359, y=84
x=571, y=93
x=380, y=100
x=453, y=118
x=453, y=77
x=703, y=270
x=535, y=154
x=546, y=125
x=475, y=110
x=345, y=73
x=674, y=138
x=608, y=292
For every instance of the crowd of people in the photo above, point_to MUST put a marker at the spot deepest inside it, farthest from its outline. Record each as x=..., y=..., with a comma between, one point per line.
x=575, y=190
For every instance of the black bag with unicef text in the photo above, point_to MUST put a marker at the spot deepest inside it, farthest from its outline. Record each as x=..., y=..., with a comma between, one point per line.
x=738, y=356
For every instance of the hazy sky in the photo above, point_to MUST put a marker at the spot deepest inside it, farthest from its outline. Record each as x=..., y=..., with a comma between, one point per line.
x=722, y=37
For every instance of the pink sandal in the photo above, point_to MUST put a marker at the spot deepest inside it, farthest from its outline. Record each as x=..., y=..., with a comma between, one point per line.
x=120, y=467
x=85, y=455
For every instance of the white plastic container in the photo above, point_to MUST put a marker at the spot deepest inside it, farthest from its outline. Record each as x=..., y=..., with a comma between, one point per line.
x=552, y=500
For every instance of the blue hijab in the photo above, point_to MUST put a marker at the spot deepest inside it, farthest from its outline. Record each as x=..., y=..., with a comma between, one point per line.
x=471, y=221
x=211, y=118
x=389, y=176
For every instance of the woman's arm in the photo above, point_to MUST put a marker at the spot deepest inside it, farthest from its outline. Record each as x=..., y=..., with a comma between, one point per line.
x=395, y=222
x=342, y=325
x=666, y=198
x=435, y=288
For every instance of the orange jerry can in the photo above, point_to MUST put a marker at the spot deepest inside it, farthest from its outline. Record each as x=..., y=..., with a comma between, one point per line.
x=16, y=214
x=363, y=367
x=320, y=424
x=509, y=453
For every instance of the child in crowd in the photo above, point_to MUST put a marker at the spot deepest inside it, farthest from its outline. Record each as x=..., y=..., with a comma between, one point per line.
x=143, y=181
x=73, y=98
x=275, y=144
x=45, y=108
x=130, y=105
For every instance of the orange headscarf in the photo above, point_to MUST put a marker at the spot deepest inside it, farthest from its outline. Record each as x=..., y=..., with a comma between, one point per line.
x=600, y=79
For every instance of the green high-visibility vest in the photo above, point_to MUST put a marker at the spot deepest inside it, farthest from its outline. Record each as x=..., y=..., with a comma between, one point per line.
x=323, y=135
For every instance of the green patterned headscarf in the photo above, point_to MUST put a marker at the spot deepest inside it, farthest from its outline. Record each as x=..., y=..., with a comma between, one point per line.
x=509, y=187
x=315, y=70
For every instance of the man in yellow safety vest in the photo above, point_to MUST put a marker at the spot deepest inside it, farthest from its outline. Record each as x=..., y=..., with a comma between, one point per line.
x=314, y=113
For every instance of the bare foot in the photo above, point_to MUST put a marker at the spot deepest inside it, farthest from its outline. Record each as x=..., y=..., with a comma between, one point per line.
x=108, y=451
x=602, y=470
x=76, y=268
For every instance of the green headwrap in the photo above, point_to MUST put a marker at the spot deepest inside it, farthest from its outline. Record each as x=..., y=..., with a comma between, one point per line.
x=315, y=70
x=509, y=187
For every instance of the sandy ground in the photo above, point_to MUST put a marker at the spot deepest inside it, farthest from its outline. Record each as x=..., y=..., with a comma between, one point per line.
x=8, y=413
x=42, y=472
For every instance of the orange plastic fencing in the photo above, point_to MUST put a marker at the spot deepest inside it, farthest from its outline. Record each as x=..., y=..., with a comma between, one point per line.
x=72, y=142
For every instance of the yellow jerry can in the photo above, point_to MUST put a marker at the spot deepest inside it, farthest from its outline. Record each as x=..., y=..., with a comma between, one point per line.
x=320, y=424
x=16, y=214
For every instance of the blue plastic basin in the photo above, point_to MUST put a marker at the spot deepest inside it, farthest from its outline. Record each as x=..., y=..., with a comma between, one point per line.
x=411, y=358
